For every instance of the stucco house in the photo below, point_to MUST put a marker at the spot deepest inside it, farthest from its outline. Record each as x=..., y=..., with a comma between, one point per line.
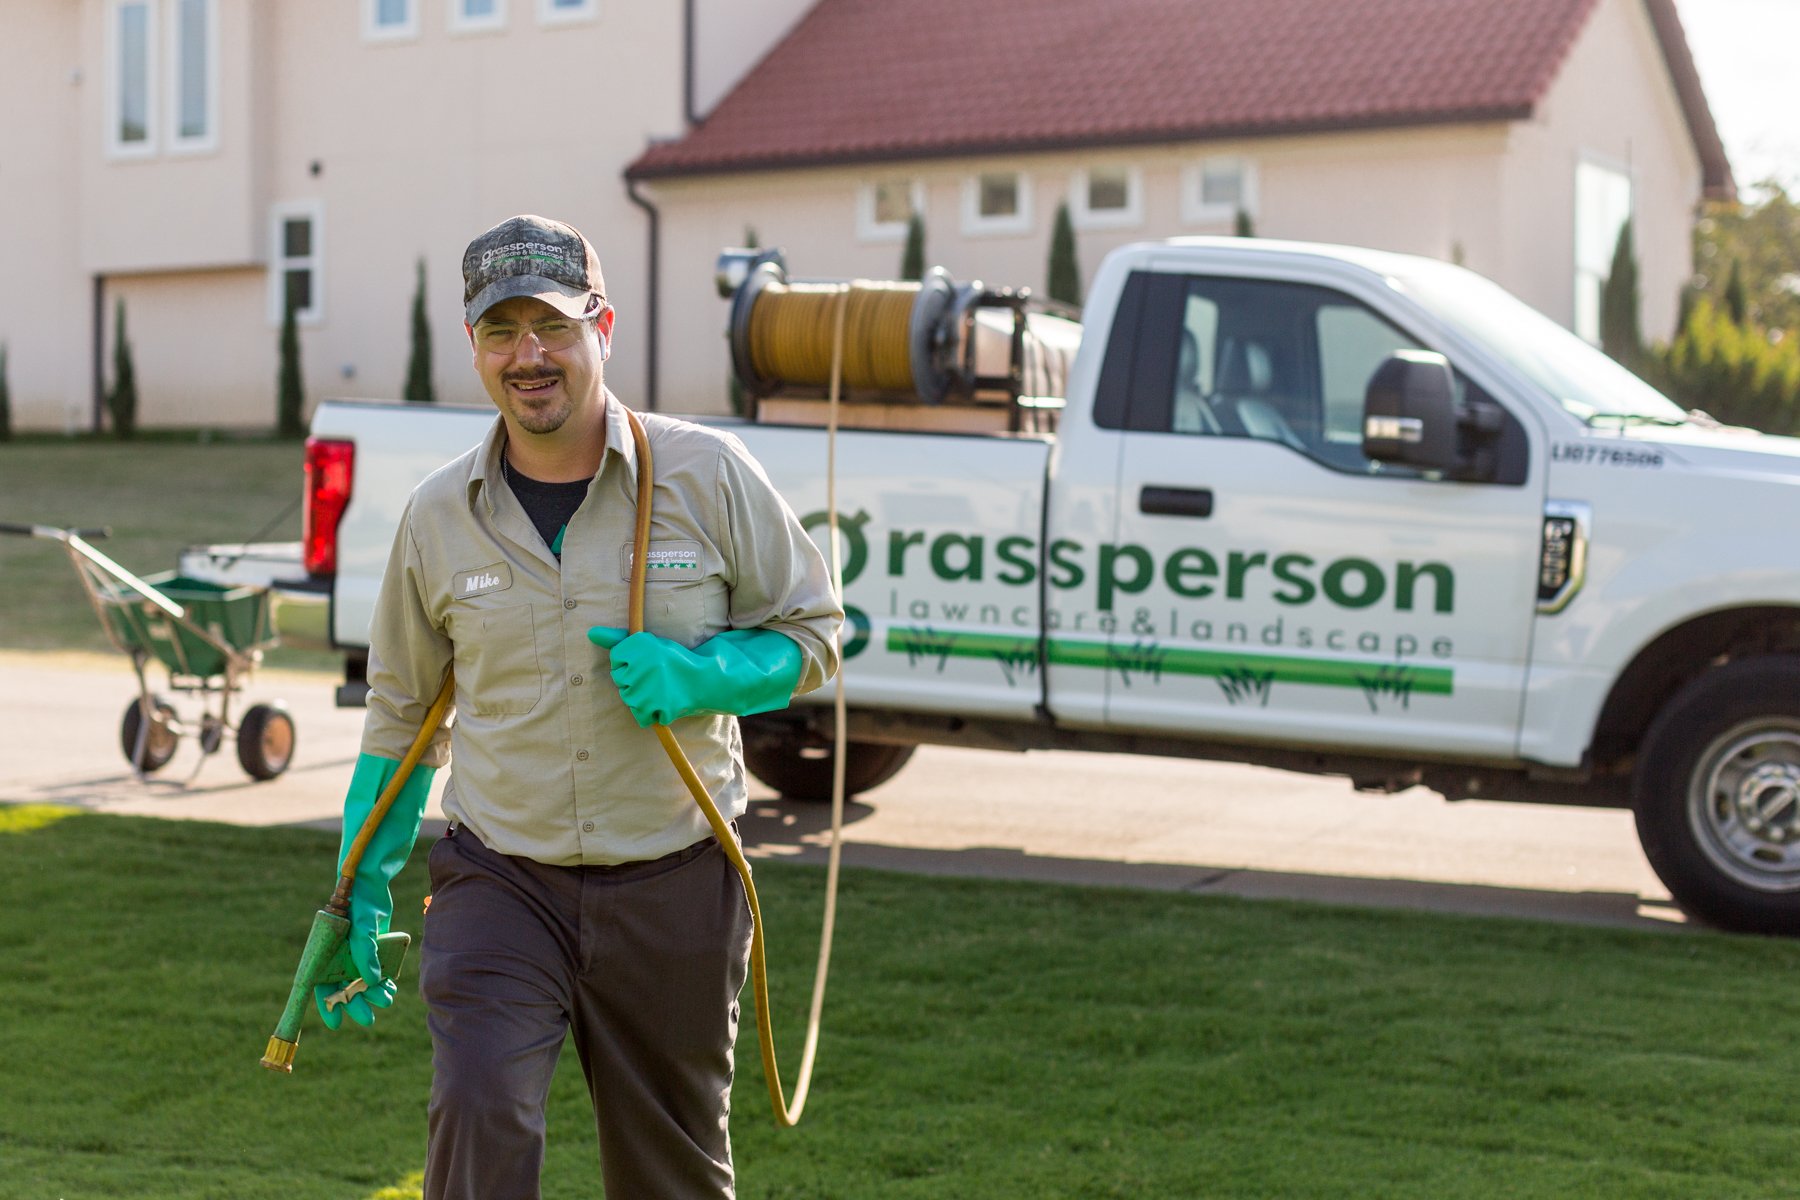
x=197, y=157
x=201, y=159
x=1515, y=137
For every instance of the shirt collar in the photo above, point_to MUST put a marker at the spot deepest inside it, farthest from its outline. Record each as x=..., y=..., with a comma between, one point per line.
x=487, y=463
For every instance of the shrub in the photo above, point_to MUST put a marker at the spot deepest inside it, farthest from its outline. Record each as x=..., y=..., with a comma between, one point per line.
x=290, y=396
x=1731, y=371
x=912, y=259
x=418, y=365
x=122, y=400
x=5, y=399
x=1621, y=331
x=1065, y=273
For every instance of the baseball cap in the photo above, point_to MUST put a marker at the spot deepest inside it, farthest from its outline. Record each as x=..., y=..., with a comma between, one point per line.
x=536, y=257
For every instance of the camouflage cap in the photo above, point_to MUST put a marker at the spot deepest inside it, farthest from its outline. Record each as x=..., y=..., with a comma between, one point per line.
x=536, y=257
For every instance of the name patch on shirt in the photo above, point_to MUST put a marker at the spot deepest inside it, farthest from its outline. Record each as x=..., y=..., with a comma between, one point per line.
x=479, y=581
x=667, y=560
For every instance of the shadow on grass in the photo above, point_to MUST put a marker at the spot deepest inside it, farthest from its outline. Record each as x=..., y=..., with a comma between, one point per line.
x=797, y=832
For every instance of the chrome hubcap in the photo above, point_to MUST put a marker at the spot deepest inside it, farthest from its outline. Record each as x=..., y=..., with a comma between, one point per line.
x=1745, y=804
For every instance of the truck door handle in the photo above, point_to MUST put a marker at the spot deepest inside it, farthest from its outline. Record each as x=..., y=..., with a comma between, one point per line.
x=1176, y=502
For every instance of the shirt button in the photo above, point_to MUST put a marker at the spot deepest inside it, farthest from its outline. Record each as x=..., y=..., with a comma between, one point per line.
x=568, y=604
x=581, y=754
x=575, y=679
x=587, y=827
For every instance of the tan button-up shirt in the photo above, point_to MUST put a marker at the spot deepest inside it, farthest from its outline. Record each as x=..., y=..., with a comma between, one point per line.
x=548, y=762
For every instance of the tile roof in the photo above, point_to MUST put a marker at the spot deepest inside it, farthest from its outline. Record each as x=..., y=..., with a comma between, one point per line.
x=874, y=80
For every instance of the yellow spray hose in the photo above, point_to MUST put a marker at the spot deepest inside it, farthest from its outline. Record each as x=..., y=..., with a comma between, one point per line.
x=793, y=335
x=785, y=1114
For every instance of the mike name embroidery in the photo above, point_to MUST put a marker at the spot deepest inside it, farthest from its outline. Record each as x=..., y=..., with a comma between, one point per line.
x=474, y=582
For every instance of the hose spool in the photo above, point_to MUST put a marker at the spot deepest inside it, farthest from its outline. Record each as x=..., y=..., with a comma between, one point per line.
x=897, y=339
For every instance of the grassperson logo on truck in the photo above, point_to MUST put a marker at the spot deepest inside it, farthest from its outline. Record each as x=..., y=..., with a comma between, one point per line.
x=1091, y=620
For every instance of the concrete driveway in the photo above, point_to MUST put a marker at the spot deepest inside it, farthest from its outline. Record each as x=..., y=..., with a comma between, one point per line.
x=1061, y=817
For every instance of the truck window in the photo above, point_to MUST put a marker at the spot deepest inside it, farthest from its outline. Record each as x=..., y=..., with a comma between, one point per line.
x=1254, y=358
x=1352, y=343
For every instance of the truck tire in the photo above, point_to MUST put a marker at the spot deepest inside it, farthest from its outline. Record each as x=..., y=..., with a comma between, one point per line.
x=800, y=775
x=1717, y=796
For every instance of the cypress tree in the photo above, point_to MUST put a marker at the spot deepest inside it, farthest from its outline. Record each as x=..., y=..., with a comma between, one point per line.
x=418, y=366
x=122, y=400
x=1621, y=333
x=1737, y=298
x=5, y=399
x=1065, y=273
x=290, y=396
x=912, y=259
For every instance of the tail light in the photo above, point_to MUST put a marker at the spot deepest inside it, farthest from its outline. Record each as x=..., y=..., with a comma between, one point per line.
x=328, y=466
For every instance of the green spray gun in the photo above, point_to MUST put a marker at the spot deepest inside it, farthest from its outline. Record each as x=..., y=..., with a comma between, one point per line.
x=326, y=957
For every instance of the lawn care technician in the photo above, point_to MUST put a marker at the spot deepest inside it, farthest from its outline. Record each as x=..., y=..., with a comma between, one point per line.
x=578, y=887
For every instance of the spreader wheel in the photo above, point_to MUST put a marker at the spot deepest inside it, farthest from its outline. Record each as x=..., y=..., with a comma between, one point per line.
x=265, y=740
x=160, y=738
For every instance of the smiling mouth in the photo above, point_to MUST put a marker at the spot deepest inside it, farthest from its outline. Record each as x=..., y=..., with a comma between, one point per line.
x=535, y=385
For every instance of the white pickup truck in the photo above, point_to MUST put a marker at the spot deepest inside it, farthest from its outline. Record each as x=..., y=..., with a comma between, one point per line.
x=1311, y=507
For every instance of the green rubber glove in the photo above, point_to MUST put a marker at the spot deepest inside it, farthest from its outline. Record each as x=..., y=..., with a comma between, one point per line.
x=740, y=672
x=371, y=900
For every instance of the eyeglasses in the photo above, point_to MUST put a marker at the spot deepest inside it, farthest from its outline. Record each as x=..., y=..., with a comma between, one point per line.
x=552, y=333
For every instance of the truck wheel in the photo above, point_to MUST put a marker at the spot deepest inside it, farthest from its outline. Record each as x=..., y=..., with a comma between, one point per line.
x=160, y=739
x=805, y=774
x=1717, y=796
x=265, y=741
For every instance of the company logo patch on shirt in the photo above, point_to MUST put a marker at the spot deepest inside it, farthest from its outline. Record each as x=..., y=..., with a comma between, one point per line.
x=667, y=560
x=479, y=581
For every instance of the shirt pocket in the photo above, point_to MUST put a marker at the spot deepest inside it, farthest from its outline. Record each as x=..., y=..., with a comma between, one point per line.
x=497, y=659
x=688, y=613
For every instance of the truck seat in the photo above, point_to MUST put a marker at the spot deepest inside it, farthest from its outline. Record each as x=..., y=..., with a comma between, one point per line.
x=1246, y=377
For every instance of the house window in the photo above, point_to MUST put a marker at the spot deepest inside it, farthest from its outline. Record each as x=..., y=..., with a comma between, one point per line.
x=131, y=112
x=551, y=12
x=471, y=16
x=296, y=260
x=1602, y=206
x=194, y=80
x=1107, y=198
x=884, y=207
x=997, y=202
x=390, y=19
x=1214, y=190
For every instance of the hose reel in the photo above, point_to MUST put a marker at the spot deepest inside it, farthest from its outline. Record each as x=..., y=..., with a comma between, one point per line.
x=931, y=341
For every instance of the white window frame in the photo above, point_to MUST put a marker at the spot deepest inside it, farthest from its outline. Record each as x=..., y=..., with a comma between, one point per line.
x=208, y=140
x=461, y=22
x=117, y=147
x=280, y=264
x=1084, y=217
x=1195, y=210
x=868, y=229
x=549, y=14
x=404, y=31
x=975, y=224
x=1587, y=280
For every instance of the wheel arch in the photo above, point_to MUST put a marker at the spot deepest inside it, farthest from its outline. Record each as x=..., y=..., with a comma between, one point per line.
x=1673, y=658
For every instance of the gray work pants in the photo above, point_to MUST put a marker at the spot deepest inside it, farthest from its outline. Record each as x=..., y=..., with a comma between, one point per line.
x=643, y=962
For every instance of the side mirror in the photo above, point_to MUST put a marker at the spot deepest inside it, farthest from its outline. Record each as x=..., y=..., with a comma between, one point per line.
x=1409, y=412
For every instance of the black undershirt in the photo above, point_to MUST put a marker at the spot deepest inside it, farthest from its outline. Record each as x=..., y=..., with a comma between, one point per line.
x=549, y=505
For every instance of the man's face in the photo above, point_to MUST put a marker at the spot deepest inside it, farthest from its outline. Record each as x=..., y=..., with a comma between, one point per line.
x=537, y=389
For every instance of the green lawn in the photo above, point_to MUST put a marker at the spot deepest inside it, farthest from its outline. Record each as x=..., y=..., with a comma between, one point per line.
x=982, y=1039
x=157, y=496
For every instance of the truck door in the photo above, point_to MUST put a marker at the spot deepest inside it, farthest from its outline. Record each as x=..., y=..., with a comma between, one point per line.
x=1265, y=582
